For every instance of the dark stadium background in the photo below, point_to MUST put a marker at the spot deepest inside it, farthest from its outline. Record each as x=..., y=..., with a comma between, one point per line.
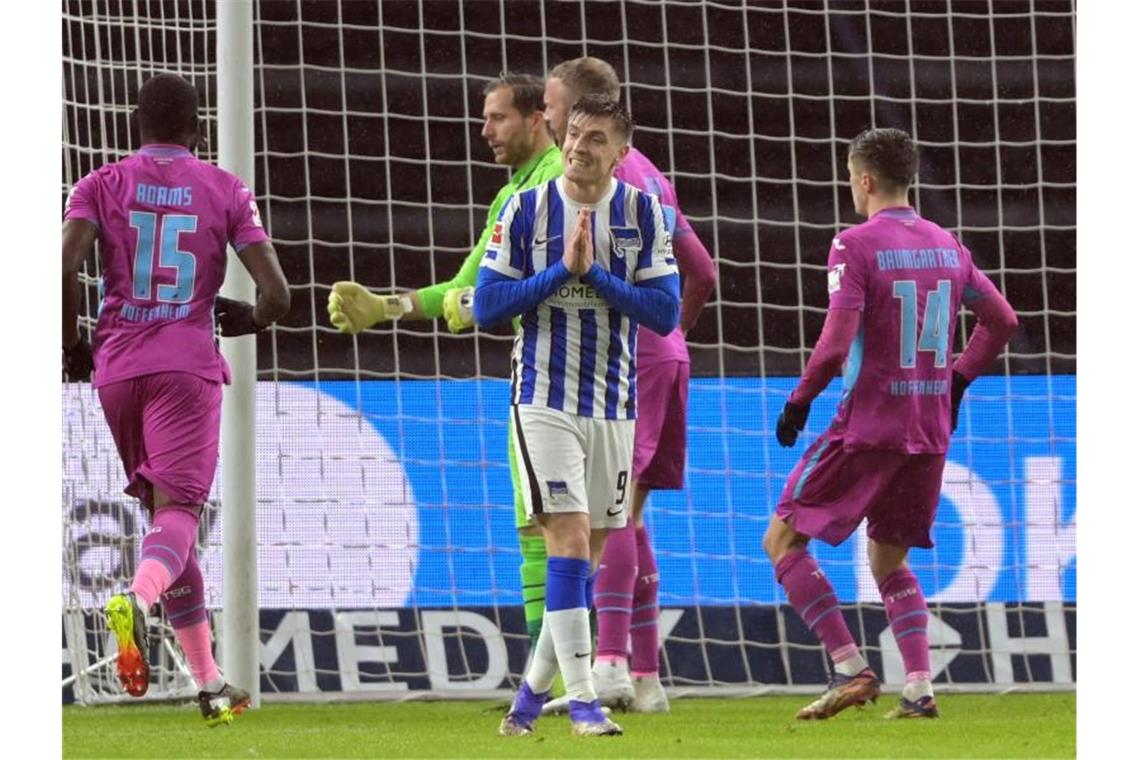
x=405, y=118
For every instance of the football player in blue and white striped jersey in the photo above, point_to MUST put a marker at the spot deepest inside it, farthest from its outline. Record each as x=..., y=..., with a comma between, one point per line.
x=584, y=259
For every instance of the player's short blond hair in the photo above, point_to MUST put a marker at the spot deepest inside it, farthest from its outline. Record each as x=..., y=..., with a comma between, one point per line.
x=588, y=76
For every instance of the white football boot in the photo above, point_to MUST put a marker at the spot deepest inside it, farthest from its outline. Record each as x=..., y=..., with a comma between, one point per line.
x=613, y=684
x=649, y=695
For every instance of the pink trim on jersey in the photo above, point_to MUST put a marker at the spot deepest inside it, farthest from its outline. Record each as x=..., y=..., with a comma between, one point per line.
x=896, y=212
x=166, y=149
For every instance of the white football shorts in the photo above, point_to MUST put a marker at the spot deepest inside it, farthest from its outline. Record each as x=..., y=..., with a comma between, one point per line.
x=570, y=463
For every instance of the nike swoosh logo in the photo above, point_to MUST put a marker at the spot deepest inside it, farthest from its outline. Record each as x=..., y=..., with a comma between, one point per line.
x=838, y=244
x=581, y=654
x=544, y=241
x=611, y=513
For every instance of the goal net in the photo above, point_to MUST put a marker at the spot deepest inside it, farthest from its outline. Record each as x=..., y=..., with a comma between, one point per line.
x=387, y=556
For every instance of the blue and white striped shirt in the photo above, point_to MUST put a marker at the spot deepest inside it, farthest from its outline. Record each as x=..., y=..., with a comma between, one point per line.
x=575, y=352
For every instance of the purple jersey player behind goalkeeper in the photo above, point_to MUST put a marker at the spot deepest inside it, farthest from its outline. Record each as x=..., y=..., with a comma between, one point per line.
x=896, y=283
x=163, y=219
x=627, y=578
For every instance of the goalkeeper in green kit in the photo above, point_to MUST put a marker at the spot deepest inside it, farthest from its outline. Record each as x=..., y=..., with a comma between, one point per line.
x=515, y=128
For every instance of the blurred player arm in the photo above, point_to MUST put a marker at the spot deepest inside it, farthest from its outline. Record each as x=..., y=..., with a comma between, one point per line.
x=256, y=253
x=273, y=298
x=237, y=318
x=452, y=299
x=826, y=360
x=697, y=266
x=78, y=243
x=353, y=307
x=846, y=299
x=996, y=324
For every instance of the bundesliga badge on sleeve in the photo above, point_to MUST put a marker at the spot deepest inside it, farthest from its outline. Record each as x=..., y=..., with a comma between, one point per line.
x=835, y=277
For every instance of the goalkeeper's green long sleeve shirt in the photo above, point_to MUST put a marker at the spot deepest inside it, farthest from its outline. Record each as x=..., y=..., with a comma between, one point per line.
x=538, y=170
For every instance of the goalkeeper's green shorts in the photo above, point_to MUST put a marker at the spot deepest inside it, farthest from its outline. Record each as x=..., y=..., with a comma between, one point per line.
x=522, y=520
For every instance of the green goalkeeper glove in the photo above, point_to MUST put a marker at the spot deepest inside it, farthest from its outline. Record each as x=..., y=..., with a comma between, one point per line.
x=457, y=308
x=353, y=308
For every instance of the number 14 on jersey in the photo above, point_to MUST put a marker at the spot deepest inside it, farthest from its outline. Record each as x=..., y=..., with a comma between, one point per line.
x=935, y=334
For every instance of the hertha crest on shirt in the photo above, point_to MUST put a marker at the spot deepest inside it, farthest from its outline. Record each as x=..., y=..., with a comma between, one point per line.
x=625, y=239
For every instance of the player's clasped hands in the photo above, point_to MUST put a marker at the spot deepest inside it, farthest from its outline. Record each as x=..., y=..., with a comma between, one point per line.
x=579, y=254
x=352, y=308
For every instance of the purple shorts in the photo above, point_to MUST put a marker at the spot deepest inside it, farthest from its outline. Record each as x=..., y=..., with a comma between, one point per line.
x=659, y=435
x=166, y=428
x=832, y=489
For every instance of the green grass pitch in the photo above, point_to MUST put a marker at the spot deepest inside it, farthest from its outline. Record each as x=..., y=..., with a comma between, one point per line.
x=1010, y=725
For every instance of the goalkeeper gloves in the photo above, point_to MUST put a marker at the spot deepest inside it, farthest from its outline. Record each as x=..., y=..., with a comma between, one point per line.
x=958, y=385
x=457, y=308
x=791, y=422
x=78, y=362
x=353, y=308
x=235, y=317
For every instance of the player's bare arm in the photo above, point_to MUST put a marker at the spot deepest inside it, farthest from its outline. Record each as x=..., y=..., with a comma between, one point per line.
x=78, y=243
x=273, y=298
x=236, y=318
